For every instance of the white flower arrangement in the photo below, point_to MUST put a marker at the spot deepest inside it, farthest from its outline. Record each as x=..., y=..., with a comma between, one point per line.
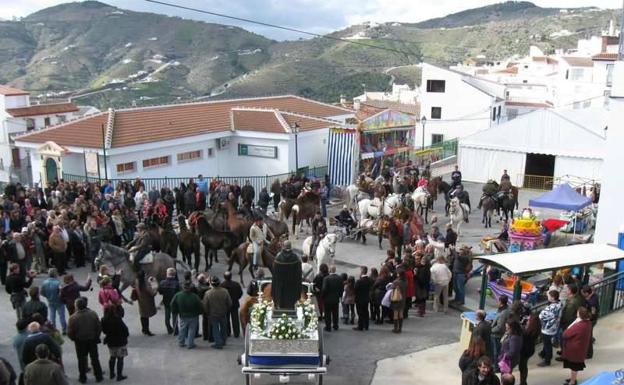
x=283, y=329
x=259, y=315
x=310, y=320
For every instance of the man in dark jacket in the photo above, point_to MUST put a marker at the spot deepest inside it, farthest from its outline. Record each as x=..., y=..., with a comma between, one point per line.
x=236, y=292
x=34, y=305
x=286, y=286
x=217, y=303
x=483, y=330
x=461, y=263
x=362, y=298
x=483, y=374
x=189, y=202
x=36, y=338
x=84, y=329
x=572, y=304
x=248, y=194
x=331, y=294
x=168, y=288
x=44, y=371
x=188, y=306
x=263, y=200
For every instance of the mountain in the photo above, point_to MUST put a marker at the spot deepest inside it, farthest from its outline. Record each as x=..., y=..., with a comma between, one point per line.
x=108, y=56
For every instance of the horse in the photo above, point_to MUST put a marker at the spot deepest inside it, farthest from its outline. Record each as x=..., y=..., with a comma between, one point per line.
x=168, y=239
x=463, y=197
x=305, y=208
x=459, y=213
x=506, y=205
x=237, y=223
x=188, y=243
x=277, y=227
x=243, y=258
x=416, y=227
x=422, y=201
x=354, y=195
x=325, y=251
x=392, y=229
x=488, y=205
x=213, y=240
x=119, y=258
x=368, y=209
x=445, y=189
x=433, y=187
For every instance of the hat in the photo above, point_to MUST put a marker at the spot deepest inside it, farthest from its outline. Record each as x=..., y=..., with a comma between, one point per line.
x=214, y=281
x=140, y=225
x=287, y=245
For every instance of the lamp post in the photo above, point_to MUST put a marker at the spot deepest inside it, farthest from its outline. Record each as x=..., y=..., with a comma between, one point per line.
x=295, y=130
x=423, y=121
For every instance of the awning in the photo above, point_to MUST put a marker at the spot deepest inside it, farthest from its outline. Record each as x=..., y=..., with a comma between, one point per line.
x=534, y=261
x=562, y=197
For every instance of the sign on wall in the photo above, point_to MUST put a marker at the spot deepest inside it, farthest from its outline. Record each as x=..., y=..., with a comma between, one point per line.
x=257, y=151
x=91, y=163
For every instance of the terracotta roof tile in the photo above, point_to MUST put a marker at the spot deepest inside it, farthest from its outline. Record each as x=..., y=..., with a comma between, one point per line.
x=257, y=120
x=85, y=132
x=579, y=61
x=152, y=124
x=307, y=123
x=43, y=109
x=528, y=104
x=605, y=56
x=10, y=91
x=380, y=105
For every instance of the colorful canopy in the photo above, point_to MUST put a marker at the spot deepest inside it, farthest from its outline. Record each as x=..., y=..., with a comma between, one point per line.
x=562, y=197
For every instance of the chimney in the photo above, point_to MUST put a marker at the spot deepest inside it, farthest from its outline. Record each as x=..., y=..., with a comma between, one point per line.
x=343, y=100
x=356, y=104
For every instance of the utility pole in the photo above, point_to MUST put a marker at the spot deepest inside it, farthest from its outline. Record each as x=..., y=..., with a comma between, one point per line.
x=104, y=152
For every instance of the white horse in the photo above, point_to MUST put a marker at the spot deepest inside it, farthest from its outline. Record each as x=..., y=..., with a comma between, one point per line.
x=459, y=213
x=325, y=251
x=371, y=208
x=353, y=196
x=420, y=197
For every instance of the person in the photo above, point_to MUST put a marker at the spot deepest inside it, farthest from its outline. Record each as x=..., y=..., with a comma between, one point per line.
x=331, y=293
x=378, y=292
x=34, y=305
x=345, y=218
x=236, y=292
x=51, y=291
x=258, y=239
x=247, y=194
x=318, y=287
x=116, y=338
x=451, y=236
x=217, y=303
x=348, y=301
x=483, y=330
x=168, y=288
x=319, y=230
x=263, y=200
x=19, y=339
x=592, y=304
x=530, y=333
x=363, y=288
x=508, y=379
x=570, y=308
x=108, y=295
x=549, y=318
x=397, y=300
x=144, y=294
x=498, y=325
x=422, y=280
x=70, y=291
x=577, y=338
x=461, y=266
x=505, y=176
x=287, y=278
x=441, y=277
x=456, y=177
x=188, y=307
x=140, y=246
x=84, y=329
x=44, y=371
x=7, y=373
x=511, y=344
x=470, y=357
x=482, y=375
x=36, y=337
x=58, y=245
x=16, y=285
x=307, y=269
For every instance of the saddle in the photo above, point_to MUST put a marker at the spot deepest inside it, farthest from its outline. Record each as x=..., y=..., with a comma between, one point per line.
x=147, y=259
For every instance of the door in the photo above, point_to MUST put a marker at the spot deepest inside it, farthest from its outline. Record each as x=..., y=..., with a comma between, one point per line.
x=51, y=170
x=539, y=171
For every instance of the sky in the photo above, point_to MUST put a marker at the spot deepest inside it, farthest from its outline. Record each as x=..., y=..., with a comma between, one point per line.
x=318, y=16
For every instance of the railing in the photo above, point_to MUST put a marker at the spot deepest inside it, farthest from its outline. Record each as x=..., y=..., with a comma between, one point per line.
x=258, y=182
x=435, y=152
x=535, y=182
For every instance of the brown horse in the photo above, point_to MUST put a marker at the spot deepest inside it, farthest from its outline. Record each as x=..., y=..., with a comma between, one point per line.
x=241, y=257
x=189, y=243
x=168, y=239
x=432, y=187
x=392, y=229
x=237, y=224
x=305, y=207
x=214, y=240
x=416, y=227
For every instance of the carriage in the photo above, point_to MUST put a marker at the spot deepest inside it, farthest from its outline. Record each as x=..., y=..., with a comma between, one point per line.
x=284, y=343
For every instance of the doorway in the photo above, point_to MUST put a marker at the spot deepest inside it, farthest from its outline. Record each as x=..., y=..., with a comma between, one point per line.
x=51, y=170
x=539, y=171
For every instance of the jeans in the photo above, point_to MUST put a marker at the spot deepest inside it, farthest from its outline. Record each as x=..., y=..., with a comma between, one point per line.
x=219, y=330
x=324, y=207
x=60, y=309
x=256, y=249
x=496, y=346
x=548, y=348
x=188, y=330
x=84, y=350
x=459, y=282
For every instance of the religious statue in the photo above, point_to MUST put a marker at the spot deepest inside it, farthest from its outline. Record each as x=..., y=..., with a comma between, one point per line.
x=286, y=285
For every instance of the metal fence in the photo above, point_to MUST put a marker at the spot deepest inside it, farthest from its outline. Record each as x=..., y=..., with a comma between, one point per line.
x=535, y=182
x=435, y=152
x=258, y=182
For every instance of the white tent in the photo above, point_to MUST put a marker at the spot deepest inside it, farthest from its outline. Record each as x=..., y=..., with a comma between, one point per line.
x=575, y=137
x=534, y=261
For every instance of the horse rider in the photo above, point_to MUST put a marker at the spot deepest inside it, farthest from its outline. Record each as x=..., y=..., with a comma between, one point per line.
x=259, y=233
x=307, y=188
x=456, y=177
x=140, y=246
x=490, y=189
x=505, y=176
x=345, y=218
x=247, y=195
x=319, y=230
x=422, y=182
x=427, y=172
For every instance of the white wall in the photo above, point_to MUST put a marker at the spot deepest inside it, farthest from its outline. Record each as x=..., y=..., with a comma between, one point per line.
x=578, y=167
x=312, y=148
x=35, y=162
x=73, y=164
x=480, y=165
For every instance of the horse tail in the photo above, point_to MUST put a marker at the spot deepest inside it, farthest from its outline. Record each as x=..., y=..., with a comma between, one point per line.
x=295, y=212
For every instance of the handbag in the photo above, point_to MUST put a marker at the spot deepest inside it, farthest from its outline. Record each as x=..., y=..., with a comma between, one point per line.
x=504, y=364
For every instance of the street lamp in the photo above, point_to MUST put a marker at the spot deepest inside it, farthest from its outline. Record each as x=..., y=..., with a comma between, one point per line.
x=295, y=130
x=423, y=121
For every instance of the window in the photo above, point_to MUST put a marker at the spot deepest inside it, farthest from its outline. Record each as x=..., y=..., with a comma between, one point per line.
x=577, y=74
x=437, y=138
x=154, y=162
x=126, y=167
x=609, y=75
x=210, y=152
x=493, y=114
x=46, y=121
x=498, y=113
x=436, y=112
x=30, y=124
x=436, y=85
x=191, y=155
x=61, y=119
x=512, y=114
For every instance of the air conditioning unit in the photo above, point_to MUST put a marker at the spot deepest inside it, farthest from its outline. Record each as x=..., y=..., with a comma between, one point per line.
x=223, y=143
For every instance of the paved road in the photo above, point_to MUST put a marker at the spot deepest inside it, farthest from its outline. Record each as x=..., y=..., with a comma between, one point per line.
x=158, y=360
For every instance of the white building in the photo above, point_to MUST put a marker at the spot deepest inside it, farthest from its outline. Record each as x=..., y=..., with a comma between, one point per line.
x=456, y=105
x=243, y=137
x=401, y=94
x=18, y=116
x=547, y=143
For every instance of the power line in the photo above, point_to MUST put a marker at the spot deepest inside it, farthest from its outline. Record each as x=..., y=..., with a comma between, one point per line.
x=407, y=54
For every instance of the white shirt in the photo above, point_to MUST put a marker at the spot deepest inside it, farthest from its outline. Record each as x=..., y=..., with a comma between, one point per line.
x=440, y=274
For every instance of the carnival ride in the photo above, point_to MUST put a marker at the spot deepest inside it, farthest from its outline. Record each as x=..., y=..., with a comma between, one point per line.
x=284, y=343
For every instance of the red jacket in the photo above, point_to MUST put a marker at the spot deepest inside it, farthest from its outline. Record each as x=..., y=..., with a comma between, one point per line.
x=577, y=338
x=411, y=287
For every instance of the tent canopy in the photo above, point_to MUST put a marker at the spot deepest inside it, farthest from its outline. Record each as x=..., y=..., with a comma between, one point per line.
x=562, y=197
x=534, y=261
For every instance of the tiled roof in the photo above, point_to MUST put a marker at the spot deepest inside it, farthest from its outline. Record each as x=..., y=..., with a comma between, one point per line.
x=258, y=120
x=86, y=132
x=413, y=109
x=509, y=70
x=606, y=56
x=528, y=104
x=10, y=91
x=547, y=59
x=153, y=124
x=579, y=61
x=43, y=109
